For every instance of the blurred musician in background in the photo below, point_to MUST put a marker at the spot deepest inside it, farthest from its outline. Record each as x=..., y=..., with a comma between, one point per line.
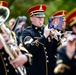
x=38, y=41
x=5, y=67
x=66, y=57
x=71, y=20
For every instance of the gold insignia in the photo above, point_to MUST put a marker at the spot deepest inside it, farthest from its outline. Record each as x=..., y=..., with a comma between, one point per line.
x=59, y=61
x=0, y=3
x=63, y=13
x=22, y=48
x=14, y=35
x=40, y=7
x=60, y=46
x=72, y=21
x=36, y=43
x=30, y=56
x=39, y=43
x=61, y=68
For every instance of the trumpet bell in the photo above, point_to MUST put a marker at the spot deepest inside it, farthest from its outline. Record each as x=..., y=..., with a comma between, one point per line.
x=4, y=14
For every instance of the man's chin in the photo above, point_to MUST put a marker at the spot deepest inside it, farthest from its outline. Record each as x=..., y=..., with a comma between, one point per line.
x=40, y=26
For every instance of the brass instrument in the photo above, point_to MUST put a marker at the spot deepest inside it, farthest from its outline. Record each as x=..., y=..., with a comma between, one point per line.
x=58, y=35
x=12, y=47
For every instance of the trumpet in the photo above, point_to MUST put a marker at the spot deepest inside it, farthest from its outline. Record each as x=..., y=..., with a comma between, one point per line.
x=12, y=47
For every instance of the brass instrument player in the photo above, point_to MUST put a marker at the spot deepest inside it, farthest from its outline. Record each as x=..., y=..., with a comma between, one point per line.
x=66, y=58
x=5, y=67
x=71, y=20
x=39, y=42
x=60, y=33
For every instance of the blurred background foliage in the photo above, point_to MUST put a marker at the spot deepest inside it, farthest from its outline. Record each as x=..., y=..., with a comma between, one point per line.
x=20, y=7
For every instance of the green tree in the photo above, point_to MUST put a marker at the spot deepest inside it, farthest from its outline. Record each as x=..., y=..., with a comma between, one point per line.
x=20, y=7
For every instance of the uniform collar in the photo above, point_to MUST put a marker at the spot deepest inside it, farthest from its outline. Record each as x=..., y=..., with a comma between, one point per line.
x=35, y=27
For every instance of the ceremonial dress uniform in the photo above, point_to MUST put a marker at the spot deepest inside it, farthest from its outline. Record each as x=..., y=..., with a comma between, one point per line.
x=43, y=49
x=65, y=65
x=5, y=67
